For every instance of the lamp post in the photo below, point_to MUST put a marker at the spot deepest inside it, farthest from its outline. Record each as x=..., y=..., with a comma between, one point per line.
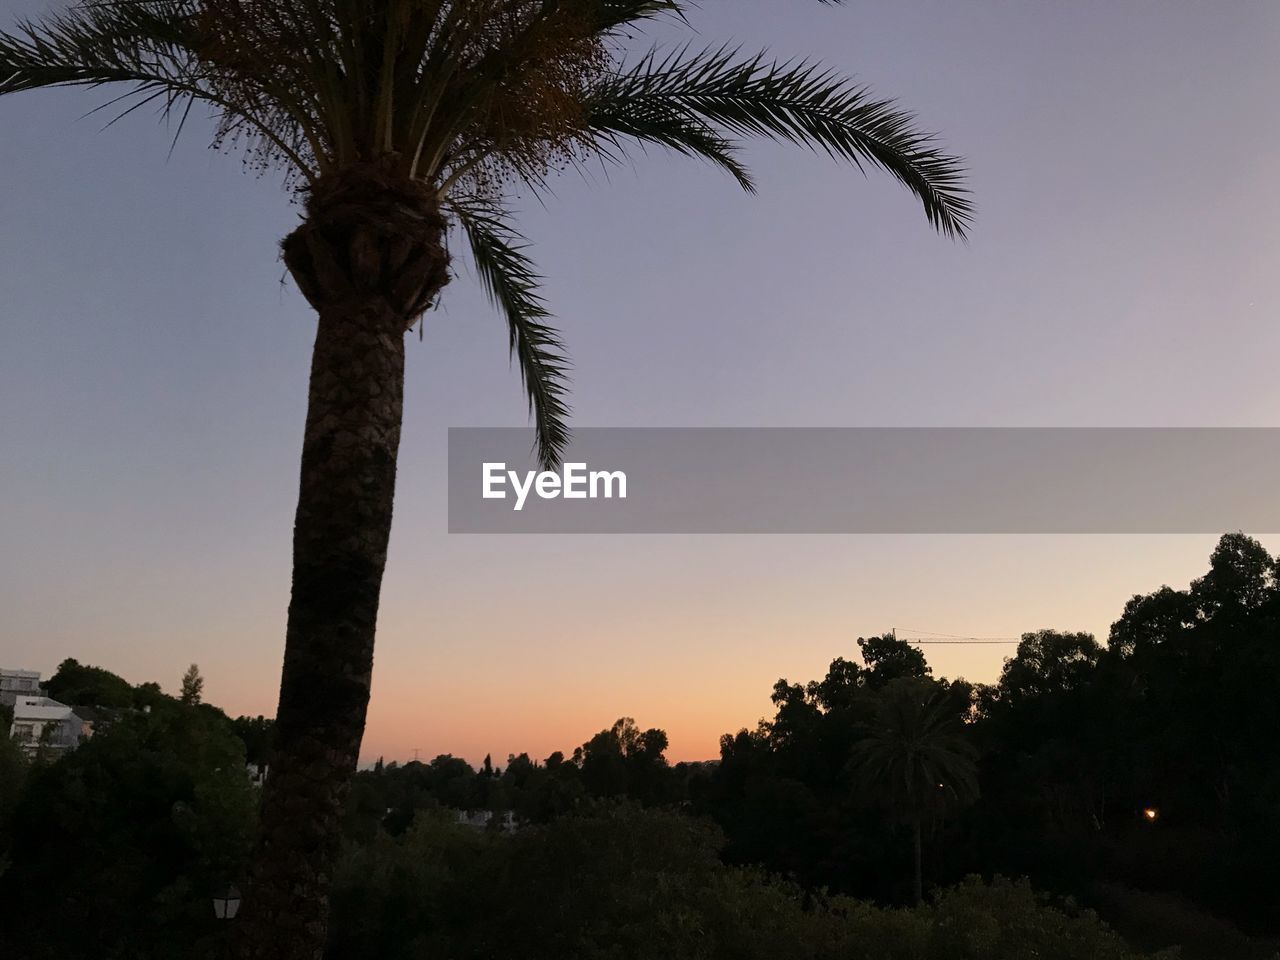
x=227, y=903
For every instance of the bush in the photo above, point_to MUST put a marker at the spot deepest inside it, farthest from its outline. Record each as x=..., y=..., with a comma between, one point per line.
x=118, y=846
x=626, y=884
x=1006, y=920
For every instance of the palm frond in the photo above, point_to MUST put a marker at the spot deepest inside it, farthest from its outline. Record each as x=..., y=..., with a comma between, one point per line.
x=798, y=102
x=914, y=755
x=612, y=118
x=142, y=43
x=612, y=14
x=512, y=284
x=150, y=47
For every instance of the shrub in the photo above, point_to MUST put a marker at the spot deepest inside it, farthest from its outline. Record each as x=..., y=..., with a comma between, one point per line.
x=627, y=884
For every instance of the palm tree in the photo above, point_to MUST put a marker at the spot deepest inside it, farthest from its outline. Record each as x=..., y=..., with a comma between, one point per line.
x=398, y=120
x=916, y=760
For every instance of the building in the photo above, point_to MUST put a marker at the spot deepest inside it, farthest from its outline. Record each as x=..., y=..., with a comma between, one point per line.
x=18, y=683
x=39, y=722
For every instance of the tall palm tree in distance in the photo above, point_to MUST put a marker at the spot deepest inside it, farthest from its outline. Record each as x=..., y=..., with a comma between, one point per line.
x=398, y=120
x=915, y=760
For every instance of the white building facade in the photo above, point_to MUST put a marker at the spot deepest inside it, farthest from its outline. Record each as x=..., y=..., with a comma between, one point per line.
x=41, y=722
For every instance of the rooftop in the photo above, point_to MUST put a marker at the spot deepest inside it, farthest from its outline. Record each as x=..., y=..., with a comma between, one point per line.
x=40, y=708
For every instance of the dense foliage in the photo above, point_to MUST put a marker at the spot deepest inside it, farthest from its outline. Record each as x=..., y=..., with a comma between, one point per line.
x=116, y=848
x=622, y=883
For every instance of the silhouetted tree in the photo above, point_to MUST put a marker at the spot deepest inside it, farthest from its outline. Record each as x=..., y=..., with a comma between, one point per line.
x=192, y=686
x=256, y=733
x=1048, y=664
x=75, y=683
x=888, y=659
x=916, y=760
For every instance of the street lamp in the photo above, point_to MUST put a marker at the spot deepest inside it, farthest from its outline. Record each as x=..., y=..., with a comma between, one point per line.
x=227, y=903
x=1151, y=814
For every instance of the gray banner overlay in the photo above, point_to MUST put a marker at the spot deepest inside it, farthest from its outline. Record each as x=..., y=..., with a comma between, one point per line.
x=873, y=480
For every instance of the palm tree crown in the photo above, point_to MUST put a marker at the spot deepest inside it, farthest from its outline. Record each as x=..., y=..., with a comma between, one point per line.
x=471, y=99
x=915, y=756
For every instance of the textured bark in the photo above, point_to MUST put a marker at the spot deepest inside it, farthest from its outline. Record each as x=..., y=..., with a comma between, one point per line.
x=369, y=257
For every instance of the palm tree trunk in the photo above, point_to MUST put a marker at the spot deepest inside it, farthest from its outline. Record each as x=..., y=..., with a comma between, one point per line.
x=917, y=884
x=340, y=548
x=369, y=258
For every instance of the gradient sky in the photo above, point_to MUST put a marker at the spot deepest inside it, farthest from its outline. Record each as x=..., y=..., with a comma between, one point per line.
x=1122, y=271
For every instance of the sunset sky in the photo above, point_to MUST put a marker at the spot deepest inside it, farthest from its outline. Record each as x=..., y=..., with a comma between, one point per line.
x=1122, y=271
